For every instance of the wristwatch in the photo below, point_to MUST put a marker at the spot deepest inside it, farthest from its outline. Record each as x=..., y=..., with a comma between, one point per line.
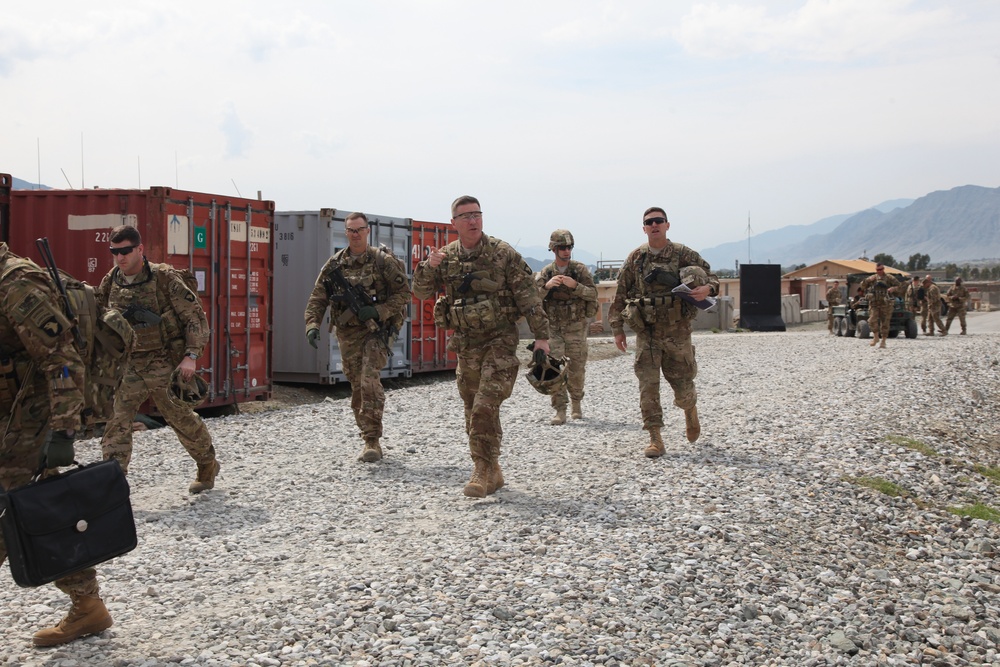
x=192, y=355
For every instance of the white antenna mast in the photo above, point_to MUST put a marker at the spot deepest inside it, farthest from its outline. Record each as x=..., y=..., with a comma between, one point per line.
x=749, y=232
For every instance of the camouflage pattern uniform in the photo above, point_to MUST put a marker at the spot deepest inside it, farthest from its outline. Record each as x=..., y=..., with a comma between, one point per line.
x=483, y=318
x=159, y=349
x=662, y=325
x=934, y=308
x=833, y=299
x=958, y=297
x=38, y=358
x=568, y=321
x=383, y=278
x=880, y=301
x=916, y=300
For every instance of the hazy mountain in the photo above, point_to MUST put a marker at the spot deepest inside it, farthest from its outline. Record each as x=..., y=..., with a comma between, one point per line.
x=961, y=224
x=18, y=184
x=767, y=246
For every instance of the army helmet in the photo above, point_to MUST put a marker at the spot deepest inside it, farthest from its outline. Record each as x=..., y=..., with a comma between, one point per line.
x=560, y=237
x=694, y=276
x=549, y=376
x=191, y=393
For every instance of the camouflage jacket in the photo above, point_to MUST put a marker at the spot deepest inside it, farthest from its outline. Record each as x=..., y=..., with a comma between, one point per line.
x=877, y=289
x=631, y=284
x=182, y=328
x=916, y=295
x=958, y=296
x=833, y=296
x=36, y=343
x=486, y=290
x=933, y=296
x=562, y=304
x=383, y=278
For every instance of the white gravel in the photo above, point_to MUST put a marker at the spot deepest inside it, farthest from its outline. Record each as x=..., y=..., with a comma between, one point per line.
x=750, y=547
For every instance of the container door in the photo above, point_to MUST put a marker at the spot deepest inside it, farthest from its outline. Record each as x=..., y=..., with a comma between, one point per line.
x=429, y=343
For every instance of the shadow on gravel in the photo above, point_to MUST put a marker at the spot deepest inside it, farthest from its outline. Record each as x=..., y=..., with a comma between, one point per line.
x=224, y=518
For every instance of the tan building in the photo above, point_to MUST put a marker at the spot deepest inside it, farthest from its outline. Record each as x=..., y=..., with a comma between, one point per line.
x=837, y=269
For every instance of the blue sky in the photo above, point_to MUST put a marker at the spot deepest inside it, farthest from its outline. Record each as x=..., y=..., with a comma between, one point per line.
x=575, y=114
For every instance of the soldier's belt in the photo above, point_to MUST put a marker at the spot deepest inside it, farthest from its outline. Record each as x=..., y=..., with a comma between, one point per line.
x=468, y=301
x=656, y=301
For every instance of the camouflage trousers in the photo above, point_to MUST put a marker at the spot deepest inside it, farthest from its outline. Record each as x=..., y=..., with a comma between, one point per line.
x=18, y=462
x=667, y=350
x=487, y=370
x=148, y=376
x=879, y=314
x=932, y=313
x=829, y=318
x=363, y=358
x=570, y=341
x=952, y=314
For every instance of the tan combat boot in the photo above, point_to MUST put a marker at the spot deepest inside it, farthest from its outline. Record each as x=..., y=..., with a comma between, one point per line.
x=577, y=410
x=691, y=423
x=656, y=448
x=480, y=480
x=874, y=339
x=372, y=451
x=882, y=344
x=560, y=417
x=496, y=478
x=206, y=477
x=87, y=616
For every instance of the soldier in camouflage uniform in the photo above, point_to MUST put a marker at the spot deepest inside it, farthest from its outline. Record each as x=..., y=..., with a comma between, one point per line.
x=487, y=287
x=915, y=297
x=39, y=360
x=832, y=299
x=877, y=289
x=569, y=297
x=662, y=323
x=958, y=297
x=364, y=337
x=170, y=332
x=933, y=294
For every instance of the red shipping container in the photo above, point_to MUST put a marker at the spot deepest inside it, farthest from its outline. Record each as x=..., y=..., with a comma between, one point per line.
x=224, y=241
x=428, y=351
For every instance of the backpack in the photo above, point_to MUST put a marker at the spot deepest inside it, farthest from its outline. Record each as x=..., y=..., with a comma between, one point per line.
x=102, y=337
x=105, y=345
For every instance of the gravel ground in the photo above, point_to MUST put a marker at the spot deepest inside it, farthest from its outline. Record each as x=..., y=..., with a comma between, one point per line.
x=757, y=545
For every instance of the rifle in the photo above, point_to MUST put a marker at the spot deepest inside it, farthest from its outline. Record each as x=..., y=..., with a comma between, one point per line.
x=50, y=265
x=355, y=298
x=483, y=277
x=141, y=317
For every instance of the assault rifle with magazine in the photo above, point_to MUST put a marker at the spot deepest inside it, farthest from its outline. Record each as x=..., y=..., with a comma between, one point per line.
x=339, y=288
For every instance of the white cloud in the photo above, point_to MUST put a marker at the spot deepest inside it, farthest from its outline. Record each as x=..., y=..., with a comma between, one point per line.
x=819, y=30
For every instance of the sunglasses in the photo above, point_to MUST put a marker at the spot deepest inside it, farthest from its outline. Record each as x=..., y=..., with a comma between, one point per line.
x=563, y=247
x=649, y=222
x=125, y=250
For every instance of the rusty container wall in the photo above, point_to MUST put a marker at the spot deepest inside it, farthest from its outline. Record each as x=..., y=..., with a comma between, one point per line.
x=224, y=241
x=304, y=241
x=6, y=182
x=430, y=352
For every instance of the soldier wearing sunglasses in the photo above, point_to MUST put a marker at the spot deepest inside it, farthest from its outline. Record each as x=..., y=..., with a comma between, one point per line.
x=646, y=301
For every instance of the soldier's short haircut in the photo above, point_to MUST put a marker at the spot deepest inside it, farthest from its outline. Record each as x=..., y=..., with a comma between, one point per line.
x=125, y=233
x=462, y=201
x=357, y=215
x=655, y=209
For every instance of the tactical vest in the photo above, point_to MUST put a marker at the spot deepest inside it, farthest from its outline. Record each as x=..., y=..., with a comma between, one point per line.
x=151, y=294
x=561, y=304
x=878, y=292
x=654, y=302
x=476, y=299
x=372, y=279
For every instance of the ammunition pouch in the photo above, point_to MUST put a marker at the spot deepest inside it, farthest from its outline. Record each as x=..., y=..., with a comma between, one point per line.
x=441, y=311
x=474, y=314
x=650, y=310
x=147, y=337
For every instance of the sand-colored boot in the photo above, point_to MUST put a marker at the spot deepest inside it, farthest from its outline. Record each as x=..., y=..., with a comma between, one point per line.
x=882, y=344
x=577, y=412
x=87, y=616
x=874, y=340
x=372, y=451
x=691, y=424
x=656, y=448
x=205, y=480
x=560, y=417
x=496, y=478
x=479, y=483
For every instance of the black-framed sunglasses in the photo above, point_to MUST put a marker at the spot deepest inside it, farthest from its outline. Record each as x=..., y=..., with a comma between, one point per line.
x=124, y=250
x=649, y=222
x=563, y=247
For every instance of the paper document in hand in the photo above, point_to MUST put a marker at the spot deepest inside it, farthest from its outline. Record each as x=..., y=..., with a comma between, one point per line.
x=684, y=292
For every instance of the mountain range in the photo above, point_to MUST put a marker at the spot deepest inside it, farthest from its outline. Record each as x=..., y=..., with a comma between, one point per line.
x=957, y=225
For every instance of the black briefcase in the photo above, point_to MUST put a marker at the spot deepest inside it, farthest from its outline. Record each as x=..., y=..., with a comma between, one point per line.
x=64, y=523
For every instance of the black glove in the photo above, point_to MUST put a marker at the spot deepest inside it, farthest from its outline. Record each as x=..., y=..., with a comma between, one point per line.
x=312, y=336
x=57, y=451
x=368, y=313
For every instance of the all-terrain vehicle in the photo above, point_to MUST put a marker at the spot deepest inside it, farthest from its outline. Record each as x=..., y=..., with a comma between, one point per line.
x=851, y=319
